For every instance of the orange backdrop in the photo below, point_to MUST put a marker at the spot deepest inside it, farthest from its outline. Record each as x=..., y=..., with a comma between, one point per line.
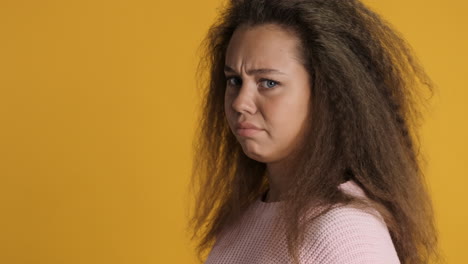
x=97, y=111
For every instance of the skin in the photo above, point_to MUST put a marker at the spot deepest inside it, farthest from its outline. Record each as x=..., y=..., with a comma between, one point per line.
x=275, y=102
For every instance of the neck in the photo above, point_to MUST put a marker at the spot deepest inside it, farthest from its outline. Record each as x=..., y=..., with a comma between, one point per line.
x=278, y=182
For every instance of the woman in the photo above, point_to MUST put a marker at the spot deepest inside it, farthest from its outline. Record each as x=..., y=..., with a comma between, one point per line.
x=306, y=143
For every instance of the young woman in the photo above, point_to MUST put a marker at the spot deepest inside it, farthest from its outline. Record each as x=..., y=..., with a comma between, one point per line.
x=306, y=147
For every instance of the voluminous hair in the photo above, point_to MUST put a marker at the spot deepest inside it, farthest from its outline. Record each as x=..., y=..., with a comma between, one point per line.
x=368, y=93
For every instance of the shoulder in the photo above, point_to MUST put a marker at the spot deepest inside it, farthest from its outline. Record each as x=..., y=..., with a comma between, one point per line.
x=349, y=235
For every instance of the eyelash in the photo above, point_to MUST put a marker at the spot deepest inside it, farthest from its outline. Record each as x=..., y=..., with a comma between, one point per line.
x=261, y=80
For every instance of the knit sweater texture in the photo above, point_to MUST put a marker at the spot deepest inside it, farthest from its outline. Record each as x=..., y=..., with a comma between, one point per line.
x=343, y=235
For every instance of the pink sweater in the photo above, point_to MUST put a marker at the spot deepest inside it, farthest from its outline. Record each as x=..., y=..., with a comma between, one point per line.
x=344, y=235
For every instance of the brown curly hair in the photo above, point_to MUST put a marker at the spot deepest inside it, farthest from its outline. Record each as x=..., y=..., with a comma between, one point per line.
x=368, y=89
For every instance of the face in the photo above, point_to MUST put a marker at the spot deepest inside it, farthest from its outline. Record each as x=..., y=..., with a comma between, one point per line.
x=268, y=87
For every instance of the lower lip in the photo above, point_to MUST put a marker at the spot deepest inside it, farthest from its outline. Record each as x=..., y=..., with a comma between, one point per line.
x=247, y=131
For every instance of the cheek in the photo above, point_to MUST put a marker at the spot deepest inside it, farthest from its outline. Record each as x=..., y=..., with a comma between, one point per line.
x=275, y=116
x=286, y=115
x=282, y=110
x=228, y=111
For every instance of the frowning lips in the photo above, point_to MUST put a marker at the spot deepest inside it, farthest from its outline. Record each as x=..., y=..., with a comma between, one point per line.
x=246, y=125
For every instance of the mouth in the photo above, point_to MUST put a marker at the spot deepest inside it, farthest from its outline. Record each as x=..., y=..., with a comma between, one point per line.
x=247, y=132
x=246, y=125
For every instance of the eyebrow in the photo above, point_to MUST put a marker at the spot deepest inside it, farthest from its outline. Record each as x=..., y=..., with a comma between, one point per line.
x=254, y=71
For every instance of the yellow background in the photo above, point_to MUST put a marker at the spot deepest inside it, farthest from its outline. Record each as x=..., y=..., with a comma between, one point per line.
x=97, y=110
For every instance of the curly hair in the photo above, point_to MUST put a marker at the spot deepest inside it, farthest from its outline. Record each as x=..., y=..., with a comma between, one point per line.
x=368, y=90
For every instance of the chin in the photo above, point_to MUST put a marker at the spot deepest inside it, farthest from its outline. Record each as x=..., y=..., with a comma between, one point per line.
x=256, y=152
x=258, y=157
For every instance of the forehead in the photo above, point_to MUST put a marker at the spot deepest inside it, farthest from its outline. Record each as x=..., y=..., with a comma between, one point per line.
x=262, y=44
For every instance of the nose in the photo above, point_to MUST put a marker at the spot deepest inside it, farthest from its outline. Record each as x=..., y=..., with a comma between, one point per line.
x=244, y=100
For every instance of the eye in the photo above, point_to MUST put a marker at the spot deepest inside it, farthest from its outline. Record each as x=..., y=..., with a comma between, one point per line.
x=230, y=83
x=269, y=83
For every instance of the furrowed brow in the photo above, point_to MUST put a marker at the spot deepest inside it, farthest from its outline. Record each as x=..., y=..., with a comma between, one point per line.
x=254, y=71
